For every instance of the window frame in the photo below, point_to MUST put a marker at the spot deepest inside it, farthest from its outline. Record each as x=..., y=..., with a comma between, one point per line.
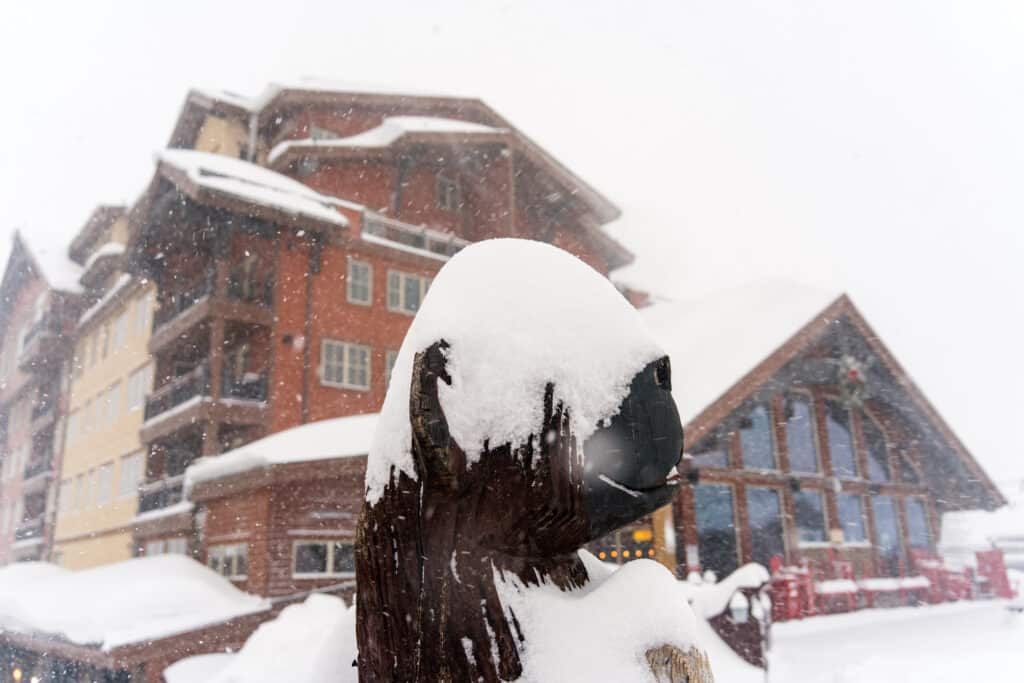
x=447, y=193
x=773, y=447
x=737, y=536
x=225, y=553
x=868, y=421
x=402, y=276
x=799, y=527
x=136, y=470
x=354, y=264
x=857, y=474
x=347, y=347
x=866, y=541
x=807, y=397
x=104, y=494
x=329, y=559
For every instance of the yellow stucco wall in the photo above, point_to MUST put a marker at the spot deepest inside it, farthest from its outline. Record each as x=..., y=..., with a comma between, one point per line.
x=95, y=507
x=222, y=136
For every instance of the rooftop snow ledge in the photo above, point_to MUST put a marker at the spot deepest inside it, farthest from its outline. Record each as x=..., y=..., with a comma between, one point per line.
x=393, y=128
x=249, y=182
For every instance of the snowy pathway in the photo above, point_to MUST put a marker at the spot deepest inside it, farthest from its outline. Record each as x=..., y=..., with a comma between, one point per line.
x=961, y=643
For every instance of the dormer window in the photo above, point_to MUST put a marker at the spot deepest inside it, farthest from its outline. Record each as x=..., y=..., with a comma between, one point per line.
x=447, y=194
x=318, y=133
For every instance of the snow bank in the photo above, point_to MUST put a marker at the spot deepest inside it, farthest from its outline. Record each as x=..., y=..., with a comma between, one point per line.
x=340, y=437
x=711, y=599
x=713, y=342
x=312, y=642
x=390, y=130
x=599, y=632
x=253, y=183
x=118, y=604
x=517, y=315
x=198, y=669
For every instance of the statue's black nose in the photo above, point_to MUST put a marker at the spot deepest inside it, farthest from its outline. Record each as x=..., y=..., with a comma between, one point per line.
x=628, y=460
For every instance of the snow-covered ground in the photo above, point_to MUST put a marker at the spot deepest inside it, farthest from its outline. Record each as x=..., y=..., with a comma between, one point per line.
x=963, y=642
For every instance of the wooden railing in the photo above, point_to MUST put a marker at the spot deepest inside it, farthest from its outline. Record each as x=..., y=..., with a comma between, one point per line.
x=442, y=244
x=161, y=493
x=29, y=528
x=180, y=389
x=174, y=304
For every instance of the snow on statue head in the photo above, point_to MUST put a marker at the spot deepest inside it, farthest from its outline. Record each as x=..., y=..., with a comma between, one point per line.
x=529, y=412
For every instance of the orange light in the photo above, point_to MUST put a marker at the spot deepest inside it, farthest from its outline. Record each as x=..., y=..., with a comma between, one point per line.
x=615, y=553
x=643, y=535
x=602, y=554
x=625, y=553
x=16, y=674
x=650, y=552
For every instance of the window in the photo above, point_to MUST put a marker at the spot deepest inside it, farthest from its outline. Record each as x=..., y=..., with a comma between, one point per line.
x=907, y=473
x=131, y=474
x=139, y=384
x=764, y=514
x=65, y=504
x=344, y=365
x=712, y=452
x=142, y=308
x=878, y=454
x=81, y=492
x=887, y=535
x=176, y=546
x=716, y=528
x=360, y=282
x=917, y=524
x=231, y=561
x=851, y=518
x=74, y=423
x=405, y=291
x=803, y=455
x=756, y=440
x=323, y=558
x=840, y=443
x=103, y=341
x=318, y=133
x=120, y=330
x=104, y=484
x=389, y=364
x=810, y=516
x=113, y=403
x=447, y=193
x=154, y=548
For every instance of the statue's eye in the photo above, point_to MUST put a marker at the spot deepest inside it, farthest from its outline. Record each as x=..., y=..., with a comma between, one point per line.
x=663, y=374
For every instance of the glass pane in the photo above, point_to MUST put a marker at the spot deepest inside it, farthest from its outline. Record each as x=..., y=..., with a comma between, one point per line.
x=344, y=558
x=764, y=514
x=878, y=454
x=311, y=558
x=712, y=452
x=394, y=290
x=917, y=524
x=803, y=456
x=887, y=534
x=840, y=443
x=810, y=516
x=907, y=472
x=411, y=292
x=242, y=560
x=756, y=440
x=851, y=517
x=716, y=528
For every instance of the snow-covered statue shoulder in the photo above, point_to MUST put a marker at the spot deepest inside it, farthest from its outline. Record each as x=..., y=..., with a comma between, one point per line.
x=529, y=412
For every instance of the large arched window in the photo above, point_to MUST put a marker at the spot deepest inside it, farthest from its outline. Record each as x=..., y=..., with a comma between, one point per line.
x=756, y=440
x=878, y=453
x=803, y=455
x=716, y=528
x=917, y=524
x=840, y=440
x=711, y=452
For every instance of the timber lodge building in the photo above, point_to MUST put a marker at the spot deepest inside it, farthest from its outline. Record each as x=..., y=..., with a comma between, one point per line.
x=235, y=327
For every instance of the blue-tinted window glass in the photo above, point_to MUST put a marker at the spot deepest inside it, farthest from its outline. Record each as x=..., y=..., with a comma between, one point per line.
x=756, y=440
x=887, y=534
x=878, y=453
x=851, y=517
x=803, y=455
x=917, y=524
x=840, y=442
x=712, y=452
x=810, y=516
x=716, y=528
x=764, y=515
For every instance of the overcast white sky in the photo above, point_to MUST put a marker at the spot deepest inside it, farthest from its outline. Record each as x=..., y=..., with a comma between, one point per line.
x=874, y=147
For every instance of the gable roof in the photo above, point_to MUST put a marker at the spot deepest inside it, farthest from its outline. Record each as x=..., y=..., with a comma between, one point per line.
x=725, y=346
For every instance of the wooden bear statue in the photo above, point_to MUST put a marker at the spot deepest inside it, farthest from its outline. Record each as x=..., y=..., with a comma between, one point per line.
x=483, y=475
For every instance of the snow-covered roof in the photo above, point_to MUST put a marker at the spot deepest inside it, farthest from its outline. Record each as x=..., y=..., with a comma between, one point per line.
x=980, y=529
x=338, y=437
x=715, y=341
x=319, y=637
x=389, y=131
x=517, y=315
x=51, y=257
x=252, y=183
x=123, y=281
x=119, y=604
x=108, y=249
x=314, y=85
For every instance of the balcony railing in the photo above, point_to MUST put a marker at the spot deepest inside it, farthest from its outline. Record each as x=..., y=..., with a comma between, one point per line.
x=242, y=287
x=251, y=386
x=48, y=324
x=29, y=528
x=159, y=494
x=177, y=303
x=43, y=408
x=444, y=245
x=37, y=466
x=180, y=389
